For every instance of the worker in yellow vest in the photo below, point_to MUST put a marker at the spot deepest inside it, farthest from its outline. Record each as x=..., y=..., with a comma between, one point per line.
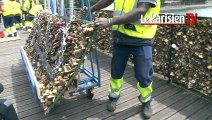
x=17, y=14
x=131, y=37
x=28, y=5
x=8, y=18
x=34, y=10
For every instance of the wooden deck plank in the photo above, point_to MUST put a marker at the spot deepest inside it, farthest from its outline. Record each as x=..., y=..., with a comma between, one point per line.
x=180, y=104
x=11, y=43
x=20, y=97
x=172, y=92
x=210, y=118
x=8, y=53
x=9, y=65
x=82, y=112
x=19, y=89
x=86, y=111
x=161, y=105
x=10, y=78
x=19, y=80
x=202, y=114
x=12, y=74
x=12, y=81
x=131, y=105
x=11, y=47
x=188, y=111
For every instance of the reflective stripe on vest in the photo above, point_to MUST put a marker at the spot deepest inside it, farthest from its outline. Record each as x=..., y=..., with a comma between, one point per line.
x=35, y=9
x=141, y=31
x=7, y=9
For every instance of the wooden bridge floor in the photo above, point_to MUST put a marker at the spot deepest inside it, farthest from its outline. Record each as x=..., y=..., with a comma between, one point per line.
x=170, y=102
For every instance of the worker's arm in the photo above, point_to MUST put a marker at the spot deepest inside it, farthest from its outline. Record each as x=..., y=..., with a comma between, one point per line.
x=98, y=6
x=134, y=15
x=126, y=18
x=101, y=4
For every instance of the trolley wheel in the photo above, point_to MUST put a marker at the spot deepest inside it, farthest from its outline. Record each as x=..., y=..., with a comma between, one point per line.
x=90, y=93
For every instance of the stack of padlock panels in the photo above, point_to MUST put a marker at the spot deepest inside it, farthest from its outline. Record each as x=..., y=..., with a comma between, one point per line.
x=56, y=49
x=191, y=46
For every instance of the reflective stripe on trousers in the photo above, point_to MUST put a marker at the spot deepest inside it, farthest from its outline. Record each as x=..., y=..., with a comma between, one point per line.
x=28, y=24
x=10, y=29
x=115, y=87
x=7, y=30
x=146, y=93
x=13, y=29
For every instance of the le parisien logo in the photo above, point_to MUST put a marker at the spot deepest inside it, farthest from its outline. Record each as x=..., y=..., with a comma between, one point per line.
x=170, y=19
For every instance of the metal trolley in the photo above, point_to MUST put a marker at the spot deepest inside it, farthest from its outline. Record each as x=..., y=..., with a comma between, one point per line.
x=90, y=71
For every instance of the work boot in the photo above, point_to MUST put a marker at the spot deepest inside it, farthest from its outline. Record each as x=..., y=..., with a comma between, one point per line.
x=111, y=106
x=15, y=34
x=10, y=34
x=147, y=110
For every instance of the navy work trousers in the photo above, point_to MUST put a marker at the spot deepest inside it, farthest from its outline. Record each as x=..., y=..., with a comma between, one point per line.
x=8, y=21
x=142, y=58
x=17, y=19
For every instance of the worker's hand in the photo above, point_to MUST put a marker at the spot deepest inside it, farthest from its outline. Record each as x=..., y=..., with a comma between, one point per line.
x=102, y=22
x=84, y=10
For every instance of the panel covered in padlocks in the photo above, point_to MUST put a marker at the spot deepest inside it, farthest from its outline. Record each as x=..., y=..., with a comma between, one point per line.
x=192, y=56
x=191, y=61
x=104, y=35
x=56, y=49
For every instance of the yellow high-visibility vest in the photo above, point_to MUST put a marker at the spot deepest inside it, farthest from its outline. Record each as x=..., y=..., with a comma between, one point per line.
x=35, y=9
x=7, y=9
x=26, y=6
x=141, y=31
x=16, y=8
